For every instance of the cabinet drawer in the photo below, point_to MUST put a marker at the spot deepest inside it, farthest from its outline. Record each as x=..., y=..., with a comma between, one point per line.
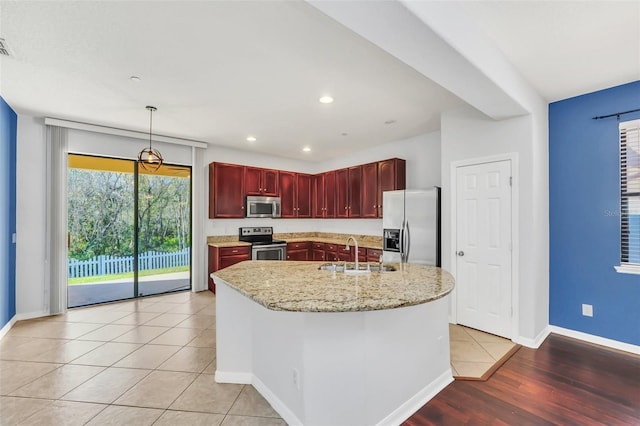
x=298, y=246
x=317, y=246
x=330, y=247
x=374, y=252
x=234, y=251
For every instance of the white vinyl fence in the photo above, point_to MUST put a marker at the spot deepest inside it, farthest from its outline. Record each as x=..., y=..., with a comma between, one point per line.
x=107, y=265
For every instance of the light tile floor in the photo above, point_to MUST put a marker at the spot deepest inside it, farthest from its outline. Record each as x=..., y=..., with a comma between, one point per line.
x=143, y=362
x=150, y=361
x=474, y=352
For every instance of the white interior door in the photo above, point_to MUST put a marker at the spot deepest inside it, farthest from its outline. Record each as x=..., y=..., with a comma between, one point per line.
x=483, y=247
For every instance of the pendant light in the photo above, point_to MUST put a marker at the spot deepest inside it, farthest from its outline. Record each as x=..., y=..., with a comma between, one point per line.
x=150, y=159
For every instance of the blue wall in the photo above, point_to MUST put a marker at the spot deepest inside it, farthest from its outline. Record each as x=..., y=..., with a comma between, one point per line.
x=584, y=221
x=8, y=125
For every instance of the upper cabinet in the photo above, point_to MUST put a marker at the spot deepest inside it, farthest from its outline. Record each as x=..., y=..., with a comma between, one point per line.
x=226, y=190
x=259, y=181
x=387, y=175
x=370, y=204
x=323, y=188
x=295, y=194
x=346, y=193
x=349, y=192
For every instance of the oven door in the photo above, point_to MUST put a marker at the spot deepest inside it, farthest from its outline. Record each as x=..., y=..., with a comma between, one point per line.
x=269, y=252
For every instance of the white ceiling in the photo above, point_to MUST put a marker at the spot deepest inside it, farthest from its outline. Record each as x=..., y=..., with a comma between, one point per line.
x=565, y=48
x=219, y=70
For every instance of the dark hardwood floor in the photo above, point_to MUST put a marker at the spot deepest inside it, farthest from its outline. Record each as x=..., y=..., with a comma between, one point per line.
x=564, y=382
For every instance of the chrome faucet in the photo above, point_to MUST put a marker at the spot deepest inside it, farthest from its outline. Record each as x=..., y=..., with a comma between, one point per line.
x=347, y=247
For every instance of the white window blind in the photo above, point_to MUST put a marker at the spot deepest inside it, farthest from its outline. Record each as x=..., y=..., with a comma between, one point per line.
x=630, y=192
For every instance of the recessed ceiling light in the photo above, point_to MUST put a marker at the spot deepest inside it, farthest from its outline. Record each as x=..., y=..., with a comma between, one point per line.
x=326, y=99
x=135, y=79
x=251, y=139
x=390, y=122
x=306, y=149
x=344, y=134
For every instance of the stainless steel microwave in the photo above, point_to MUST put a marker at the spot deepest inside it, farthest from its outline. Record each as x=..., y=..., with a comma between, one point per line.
x=262, y=206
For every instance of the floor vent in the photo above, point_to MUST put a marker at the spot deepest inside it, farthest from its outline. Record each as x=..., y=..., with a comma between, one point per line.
x=4, y=48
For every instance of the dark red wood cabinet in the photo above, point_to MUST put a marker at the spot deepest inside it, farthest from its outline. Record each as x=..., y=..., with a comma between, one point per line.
x=295, y=194
x=226, y=190
x=370, y=187
x=259, y=181
x=373, y=255
x=342, y=193
x=348, y=192
x=392, y=175
x=221, y=257
x=298, y=251
x=323, y=187
x=330, y=252
x=318, y=251
x=318, y=197
x=329, y=194
x=387, y=175
x=303, y=195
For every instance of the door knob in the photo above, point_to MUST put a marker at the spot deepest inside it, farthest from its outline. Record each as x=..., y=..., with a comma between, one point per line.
x=460, y=253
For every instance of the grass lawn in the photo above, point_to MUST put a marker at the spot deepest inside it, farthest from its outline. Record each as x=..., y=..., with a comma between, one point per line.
x=96, y=279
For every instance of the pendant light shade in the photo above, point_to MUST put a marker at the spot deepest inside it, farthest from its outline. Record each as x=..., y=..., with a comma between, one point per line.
x=150, y=158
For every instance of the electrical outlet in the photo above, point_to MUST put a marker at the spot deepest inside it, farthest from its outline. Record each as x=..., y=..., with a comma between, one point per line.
x=587, y=310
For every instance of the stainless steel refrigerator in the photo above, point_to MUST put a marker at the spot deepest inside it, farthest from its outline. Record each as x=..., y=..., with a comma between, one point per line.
x=411, y=226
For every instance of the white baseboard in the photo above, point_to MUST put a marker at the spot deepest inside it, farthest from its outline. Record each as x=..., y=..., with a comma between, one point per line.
x=31, y=315
x=21, y=317
x=233, y=377
x=535, y=342
x=602, y=341
x=416, y=402
x=7, y=327
x=280, y=407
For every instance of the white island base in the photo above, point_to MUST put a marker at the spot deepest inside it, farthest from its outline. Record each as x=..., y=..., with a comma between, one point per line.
x=343, y=368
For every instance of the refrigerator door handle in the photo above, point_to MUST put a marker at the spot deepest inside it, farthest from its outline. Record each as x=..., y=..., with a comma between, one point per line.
x=408, y=238
x=402, y=242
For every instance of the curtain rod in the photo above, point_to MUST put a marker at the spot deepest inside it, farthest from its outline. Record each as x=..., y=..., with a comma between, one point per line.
x=617, y=114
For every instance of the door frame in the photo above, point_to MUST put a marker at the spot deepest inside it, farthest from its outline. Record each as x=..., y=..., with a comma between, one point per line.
x=515, y=236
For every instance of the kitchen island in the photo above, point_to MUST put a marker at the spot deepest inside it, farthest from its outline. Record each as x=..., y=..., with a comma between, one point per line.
x=328, y=348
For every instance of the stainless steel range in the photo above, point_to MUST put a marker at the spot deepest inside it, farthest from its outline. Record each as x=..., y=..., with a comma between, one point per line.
x=263, y=246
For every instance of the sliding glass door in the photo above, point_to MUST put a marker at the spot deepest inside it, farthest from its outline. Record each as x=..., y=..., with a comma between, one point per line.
x=164, y=230
x=129, y=232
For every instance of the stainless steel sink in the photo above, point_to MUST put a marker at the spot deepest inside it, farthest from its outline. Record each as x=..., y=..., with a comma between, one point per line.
x=363, y=268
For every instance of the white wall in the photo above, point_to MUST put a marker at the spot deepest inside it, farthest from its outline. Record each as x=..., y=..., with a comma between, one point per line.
x=423, y=171
x=469, y=134
x=30, y=221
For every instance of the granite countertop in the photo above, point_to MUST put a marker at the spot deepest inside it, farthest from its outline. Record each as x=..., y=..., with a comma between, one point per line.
x=302, y=287
x=235, y=243
x=368, y=241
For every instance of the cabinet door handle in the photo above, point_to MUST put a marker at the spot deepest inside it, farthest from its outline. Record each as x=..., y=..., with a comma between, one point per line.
x=234, y=251
x=242, y=207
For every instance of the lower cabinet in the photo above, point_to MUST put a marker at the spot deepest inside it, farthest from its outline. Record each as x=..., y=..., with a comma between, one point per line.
x=298, y=251
x=221, y=257
x=330, y=252
x=318, y=251
x=373, y=255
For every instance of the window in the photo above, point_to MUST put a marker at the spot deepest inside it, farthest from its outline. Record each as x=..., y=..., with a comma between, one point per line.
x=630, y=196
